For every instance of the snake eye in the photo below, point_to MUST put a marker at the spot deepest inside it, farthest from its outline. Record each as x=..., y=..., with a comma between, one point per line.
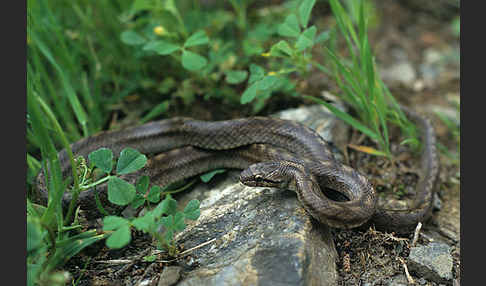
x=258, y=178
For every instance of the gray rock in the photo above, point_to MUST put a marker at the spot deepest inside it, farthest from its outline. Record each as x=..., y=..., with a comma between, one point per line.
x=439, y=66
x=402, y=72
x=170, y=275
x=258, y=236
x=432, y=261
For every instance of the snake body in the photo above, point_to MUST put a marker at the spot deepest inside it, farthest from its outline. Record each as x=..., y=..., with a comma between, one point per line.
x=188, y=147
x=405, y=220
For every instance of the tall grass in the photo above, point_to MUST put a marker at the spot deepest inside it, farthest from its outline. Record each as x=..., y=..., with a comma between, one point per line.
x=74, y=55
x=360, y=84
x=51, y=237
x=58, y=99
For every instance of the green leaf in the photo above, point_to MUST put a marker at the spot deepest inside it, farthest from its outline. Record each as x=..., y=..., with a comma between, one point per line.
x=209, y=175
x=154, y=194
x=236, y=76
x=161, y=47
x=167, y=221
x=34, y=234
x=144, y=223
x=130, y=161
x=305, y=11
x=192, y=61
x=306, y=39
x=256, y=73
x=192, y=211
x=249, y=94
x=167, y=206
x=178, y=222
x=267, y=83
x=142, y=184
x=290, y=27
x=322, y=37
x=198, y=38
x=169, y=21
x=137, y=201
x=149, y=258
x=120, y=238
x=120, y=192
x=102, y=159
x=174, y=222
x=114, y=222
x=139, y=5
x=251, y=48
x=130, y=37
x=169, y=235
x=279, y=47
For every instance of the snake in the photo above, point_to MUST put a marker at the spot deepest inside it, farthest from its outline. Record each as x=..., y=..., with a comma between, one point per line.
x=428, y=182
x=271, y=152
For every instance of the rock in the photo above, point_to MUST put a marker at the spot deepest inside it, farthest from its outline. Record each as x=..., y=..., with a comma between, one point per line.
x=258, y=236
x=170, y=275
x=439, y=66
x=402, y=72
x=432, y=261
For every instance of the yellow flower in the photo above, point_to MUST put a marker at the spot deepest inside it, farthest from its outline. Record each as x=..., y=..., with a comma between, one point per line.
x=159, y=30
x=272, y=73
x=265, y=54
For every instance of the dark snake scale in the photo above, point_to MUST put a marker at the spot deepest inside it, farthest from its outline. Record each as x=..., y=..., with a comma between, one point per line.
x=272, y=152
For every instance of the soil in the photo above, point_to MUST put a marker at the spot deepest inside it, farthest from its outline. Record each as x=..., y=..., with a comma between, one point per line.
x=366, y=256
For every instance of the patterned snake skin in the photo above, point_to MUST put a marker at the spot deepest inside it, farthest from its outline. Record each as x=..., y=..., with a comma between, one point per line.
x=300, y=158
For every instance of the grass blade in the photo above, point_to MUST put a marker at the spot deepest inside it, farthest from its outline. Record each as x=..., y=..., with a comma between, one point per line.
x=346, y=118
x=71, y=95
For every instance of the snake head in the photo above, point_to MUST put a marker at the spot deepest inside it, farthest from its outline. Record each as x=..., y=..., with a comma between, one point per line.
x=267, y=174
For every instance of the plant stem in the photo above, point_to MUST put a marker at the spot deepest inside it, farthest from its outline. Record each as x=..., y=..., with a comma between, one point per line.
x=100, y=181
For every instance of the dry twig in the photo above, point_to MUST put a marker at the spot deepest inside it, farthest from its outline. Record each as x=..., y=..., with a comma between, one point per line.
x=416, y=233
x=409, y=277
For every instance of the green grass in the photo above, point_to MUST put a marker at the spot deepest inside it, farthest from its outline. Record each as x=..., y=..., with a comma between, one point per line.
x=52, y=238
x=360, y=84
x=65, y=81
x=74, y=59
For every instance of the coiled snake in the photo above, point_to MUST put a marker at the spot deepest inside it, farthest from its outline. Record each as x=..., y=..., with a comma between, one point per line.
x=274, y=152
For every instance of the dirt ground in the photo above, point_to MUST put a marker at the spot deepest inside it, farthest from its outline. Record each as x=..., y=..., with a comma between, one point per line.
x=366, y=256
